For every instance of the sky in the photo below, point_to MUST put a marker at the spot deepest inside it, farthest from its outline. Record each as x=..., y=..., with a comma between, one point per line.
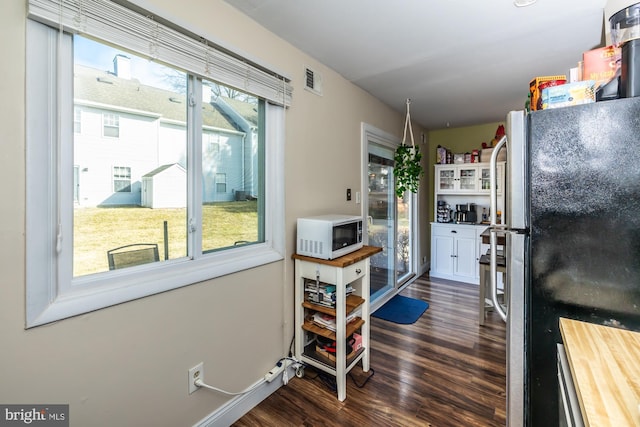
x=100, y=56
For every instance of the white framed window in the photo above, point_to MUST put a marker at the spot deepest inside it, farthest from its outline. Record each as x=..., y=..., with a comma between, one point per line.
x=121, y=179
x=212, y=141
x=110, y=125
x=221, y=183
x=163, y=168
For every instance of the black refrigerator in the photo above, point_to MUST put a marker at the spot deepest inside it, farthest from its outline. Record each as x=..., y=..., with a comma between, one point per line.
x=572, y=239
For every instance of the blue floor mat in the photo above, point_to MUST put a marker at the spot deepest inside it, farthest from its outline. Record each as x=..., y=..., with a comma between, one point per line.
x=401, y=309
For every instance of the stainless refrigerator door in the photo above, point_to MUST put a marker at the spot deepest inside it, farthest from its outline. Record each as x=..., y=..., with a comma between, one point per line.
x=516, y=250
x=516, y=172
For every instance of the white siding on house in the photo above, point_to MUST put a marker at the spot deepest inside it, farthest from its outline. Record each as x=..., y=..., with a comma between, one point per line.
x=165, y=189
x=96, y=155
x=228, y=159
x=146, y=142
x=172, y=144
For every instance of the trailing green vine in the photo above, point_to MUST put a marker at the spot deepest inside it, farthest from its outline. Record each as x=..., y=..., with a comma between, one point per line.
x=407, y=167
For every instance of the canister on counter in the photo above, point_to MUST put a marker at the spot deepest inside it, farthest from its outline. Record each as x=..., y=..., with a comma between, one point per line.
x=475, y=156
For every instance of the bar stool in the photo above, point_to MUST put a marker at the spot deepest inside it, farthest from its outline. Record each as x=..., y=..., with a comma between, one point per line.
x=485, y=302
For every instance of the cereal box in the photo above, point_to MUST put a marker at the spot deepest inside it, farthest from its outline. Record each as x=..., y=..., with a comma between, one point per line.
x=601, y=64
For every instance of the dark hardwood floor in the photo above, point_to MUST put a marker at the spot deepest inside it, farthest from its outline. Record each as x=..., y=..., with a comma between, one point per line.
x=443, y=370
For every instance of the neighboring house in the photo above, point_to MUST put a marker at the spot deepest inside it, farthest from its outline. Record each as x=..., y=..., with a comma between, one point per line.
x=124, y=130
x=164, y=187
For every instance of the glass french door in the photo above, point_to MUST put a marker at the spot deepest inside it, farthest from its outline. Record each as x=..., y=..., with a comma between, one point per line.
x=381, y=220
x=389, y=222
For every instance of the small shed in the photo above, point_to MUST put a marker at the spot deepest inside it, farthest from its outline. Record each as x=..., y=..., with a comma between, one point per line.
x=165, y=187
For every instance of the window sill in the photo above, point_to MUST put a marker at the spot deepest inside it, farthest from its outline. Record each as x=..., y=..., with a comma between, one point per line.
x=95, y=292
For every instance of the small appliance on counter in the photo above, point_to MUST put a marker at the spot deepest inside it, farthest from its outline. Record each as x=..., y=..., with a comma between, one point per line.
x=328, y=236
x=625, y=33
x=466, y=213
x=445, y=213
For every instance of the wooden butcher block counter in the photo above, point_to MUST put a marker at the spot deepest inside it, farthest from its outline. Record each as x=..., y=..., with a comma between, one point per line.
x=605, y=364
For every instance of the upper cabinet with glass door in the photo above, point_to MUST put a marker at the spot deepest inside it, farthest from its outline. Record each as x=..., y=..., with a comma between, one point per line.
x=457, y=179
x=484, y=178
x=465, y=178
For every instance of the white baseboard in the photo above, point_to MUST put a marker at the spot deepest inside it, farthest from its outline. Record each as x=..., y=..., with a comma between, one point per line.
x=424, y=268
x=235, y=408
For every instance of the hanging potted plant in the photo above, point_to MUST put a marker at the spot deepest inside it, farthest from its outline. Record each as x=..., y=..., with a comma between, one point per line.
x=407, y=167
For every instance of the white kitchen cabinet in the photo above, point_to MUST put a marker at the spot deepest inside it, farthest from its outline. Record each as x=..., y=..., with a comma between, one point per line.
x=484, y=183
x=456, y=178
x=454, y=252
x=456, y=248
x=468, y=178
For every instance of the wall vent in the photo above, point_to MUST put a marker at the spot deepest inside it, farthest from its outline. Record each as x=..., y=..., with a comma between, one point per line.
x=312, y=81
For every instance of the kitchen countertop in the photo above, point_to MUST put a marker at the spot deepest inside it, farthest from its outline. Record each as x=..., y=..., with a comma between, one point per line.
x=486, y=236
x=605, y=365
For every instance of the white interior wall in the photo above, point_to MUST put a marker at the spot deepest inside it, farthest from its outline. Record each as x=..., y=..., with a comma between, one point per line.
x=127, y=365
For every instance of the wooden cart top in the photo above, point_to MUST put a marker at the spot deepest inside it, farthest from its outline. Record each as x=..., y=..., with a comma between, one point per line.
x=345, y=260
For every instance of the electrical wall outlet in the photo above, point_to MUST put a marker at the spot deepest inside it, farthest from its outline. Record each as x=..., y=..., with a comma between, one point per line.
x=195, y=373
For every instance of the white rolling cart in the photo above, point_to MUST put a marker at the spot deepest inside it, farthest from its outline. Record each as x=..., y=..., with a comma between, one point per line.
x=349, y=270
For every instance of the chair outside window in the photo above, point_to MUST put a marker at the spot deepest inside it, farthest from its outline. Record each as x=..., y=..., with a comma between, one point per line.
x=132, y=255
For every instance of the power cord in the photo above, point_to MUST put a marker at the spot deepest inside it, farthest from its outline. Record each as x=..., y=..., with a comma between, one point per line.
x=285, y=375
x=294, y=362
x=365, y=381
x=200, y=383
x=330, y=380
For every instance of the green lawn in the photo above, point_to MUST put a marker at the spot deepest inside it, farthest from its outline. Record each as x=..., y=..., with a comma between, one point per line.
x=96, y=230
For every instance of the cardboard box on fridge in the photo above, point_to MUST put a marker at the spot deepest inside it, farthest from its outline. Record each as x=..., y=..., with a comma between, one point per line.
x=534, y=90
x=485, y=155
x=601, y=64
x=569, y=94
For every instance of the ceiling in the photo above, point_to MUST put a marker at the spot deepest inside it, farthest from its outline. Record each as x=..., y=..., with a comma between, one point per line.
x=460, y=62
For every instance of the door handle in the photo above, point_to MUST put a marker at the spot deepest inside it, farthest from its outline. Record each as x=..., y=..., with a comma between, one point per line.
x=493, y=195
x=493, y=243
x=493, y=236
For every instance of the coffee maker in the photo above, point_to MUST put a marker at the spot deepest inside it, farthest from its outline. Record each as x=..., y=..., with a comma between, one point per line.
x=625, y=34
x=466, y=213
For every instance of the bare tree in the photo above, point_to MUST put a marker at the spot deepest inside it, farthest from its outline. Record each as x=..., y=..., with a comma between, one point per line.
x=178, y=82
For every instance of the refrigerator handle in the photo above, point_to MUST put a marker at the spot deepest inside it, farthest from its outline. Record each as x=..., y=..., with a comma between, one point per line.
x=493, y=173
x=493, y=241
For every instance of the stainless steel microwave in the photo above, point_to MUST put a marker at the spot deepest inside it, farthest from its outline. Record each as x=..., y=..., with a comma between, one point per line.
x=329, y=236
